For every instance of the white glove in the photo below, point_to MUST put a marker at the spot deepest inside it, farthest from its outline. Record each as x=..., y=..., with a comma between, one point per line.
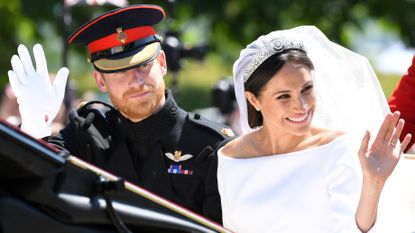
x=39, y=100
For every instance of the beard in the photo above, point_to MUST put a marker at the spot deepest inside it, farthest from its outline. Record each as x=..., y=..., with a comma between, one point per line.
x=139, y=109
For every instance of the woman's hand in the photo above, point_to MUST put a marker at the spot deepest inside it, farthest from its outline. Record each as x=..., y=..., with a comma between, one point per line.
x=378, y=163
x=380, y=159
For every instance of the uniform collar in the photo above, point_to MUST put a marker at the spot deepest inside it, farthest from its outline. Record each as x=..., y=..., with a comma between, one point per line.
x=152, y=127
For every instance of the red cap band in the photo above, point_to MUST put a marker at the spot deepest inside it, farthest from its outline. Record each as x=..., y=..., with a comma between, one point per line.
x=112, y=40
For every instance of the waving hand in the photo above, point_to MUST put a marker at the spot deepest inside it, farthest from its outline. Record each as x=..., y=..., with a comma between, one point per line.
x=379, y=160
x=39, y=99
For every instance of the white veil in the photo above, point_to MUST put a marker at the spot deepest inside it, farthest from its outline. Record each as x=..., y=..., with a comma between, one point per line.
x=349, y=96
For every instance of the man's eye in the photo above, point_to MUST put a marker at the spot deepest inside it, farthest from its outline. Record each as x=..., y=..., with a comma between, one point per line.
x=143, y=66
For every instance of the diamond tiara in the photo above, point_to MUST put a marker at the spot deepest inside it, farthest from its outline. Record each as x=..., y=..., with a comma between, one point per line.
x=276, y=45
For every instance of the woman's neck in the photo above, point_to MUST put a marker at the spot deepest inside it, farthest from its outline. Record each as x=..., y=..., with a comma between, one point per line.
x=271, y=141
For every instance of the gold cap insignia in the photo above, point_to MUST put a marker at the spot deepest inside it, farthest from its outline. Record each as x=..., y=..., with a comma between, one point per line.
x=228, y=132
x=121, y=35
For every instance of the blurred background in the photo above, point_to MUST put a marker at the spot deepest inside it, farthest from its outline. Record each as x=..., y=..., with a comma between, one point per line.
x=202, y=39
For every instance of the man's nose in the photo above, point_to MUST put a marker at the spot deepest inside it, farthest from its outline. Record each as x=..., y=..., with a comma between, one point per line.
x=136, y=77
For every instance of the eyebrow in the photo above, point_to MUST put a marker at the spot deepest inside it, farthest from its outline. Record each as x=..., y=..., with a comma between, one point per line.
x=287, y=91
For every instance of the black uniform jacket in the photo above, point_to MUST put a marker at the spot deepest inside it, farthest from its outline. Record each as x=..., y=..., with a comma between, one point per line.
x=171, y=153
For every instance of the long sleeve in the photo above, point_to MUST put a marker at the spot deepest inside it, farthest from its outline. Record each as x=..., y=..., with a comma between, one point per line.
x=344, y=186
x=82, y=139
x=211, y=200
x=403, y=99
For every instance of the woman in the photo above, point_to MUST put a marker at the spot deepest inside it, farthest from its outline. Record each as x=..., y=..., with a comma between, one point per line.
x=294, y=169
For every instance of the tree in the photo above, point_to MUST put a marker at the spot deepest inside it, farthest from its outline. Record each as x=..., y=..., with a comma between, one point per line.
x=226, y=26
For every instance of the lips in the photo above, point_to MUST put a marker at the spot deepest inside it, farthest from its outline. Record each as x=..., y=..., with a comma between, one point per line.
x=299, y=119
x=138, y=95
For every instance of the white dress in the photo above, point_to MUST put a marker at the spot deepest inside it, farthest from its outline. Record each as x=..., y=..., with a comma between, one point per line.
x=396, y=212
x=315, y=190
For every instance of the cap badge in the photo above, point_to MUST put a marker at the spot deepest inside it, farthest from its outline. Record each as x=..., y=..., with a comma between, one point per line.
x=177, y=156
x=228, y=132
x=121, y=35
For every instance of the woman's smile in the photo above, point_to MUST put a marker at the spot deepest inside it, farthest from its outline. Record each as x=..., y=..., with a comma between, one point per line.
x=299, y=118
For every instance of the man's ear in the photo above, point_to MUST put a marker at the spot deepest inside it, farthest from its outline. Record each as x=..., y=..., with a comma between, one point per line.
x=163, y=63
x=100, y=81
x=252, y=99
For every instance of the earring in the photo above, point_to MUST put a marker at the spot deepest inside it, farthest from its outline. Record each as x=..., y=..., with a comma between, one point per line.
x=257, y=109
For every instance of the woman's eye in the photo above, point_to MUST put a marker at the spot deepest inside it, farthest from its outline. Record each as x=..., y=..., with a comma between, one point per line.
x=307, y=88
x=285, y=96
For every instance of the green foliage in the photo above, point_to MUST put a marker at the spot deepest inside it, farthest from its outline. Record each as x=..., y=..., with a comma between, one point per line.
x=226, y=26
x=197, y=79
x=10, y=12
x=388, y=82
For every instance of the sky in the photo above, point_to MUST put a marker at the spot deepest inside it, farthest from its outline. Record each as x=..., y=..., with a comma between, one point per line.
x=395, y=59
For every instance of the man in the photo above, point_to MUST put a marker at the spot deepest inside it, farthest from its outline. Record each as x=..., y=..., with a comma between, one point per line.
x=145, y=138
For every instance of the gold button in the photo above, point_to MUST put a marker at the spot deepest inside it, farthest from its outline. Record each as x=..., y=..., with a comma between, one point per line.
x=228, y=132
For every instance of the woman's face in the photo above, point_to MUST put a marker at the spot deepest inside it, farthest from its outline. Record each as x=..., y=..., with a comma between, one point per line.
x=287, y=102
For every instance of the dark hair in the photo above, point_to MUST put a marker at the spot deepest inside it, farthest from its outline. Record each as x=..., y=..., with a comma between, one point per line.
x=261, y=76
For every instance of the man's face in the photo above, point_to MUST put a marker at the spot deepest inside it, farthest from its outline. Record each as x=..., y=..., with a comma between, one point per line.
x=137, y=93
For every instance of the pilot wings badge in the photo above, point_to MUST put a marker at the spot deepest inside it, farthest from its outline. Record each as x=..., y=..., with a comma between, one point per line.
x=177, y=156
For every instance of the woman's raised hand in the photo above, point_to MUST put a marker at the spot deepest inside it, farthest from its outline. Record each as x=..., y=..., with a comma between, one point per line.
x=379, y=160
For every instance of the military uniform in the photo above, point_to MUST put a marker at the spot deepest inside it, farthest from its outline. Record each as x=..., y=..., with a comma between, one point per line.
x=170, y=153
